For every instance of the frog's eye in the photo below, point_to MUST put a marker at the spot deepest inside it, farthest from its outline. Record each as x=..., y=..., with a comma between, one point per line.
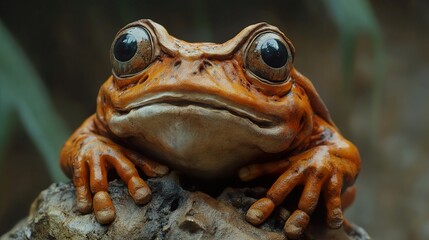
x=269, y=57
x=132, y=51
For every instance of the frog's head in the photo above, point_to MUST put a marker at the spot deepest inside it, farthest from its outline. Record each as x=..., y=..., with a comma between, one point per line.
x=203, y=106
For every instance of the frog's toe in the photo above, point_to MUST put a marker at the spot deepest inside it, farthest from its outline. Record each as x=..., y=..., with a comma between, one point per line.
x=160, y=170
x=296, y=224
x=83, y=192
x=298, y=221
x=84, y=199
x=103, y=208
x=139, y=190
x=333, y=201
x=335, y=218
x=260, y=211
x=149, y=167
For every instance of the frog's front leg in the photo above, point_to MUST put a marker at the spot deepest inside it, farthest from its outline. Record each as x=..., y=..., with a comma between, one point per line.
x=88, y=155
x=328, y=166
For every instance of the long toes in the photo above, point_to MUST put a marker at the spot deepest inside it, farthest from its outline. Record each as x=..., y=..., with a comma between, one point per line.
x=139, y=190
x=103, y=208
x=149, y=167
x=260, y=211
x=84, y=199
x=335, y=218
x=160, y=170
x=81, y=182
x=153, y=169
x=296, y=224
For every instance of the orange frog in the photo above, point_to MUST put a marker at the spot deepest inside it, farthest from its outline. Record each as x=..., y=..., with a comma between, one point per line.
x=210, y=111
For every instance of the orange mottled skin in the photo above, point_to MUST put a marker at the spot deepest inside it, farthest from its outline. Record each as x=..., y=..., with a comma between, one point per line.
x=212, y=110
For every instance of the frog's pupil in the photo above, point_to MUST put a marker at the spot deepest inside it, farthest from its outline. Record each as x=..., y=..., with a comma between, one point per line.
x=125, y=47
x=274, y=53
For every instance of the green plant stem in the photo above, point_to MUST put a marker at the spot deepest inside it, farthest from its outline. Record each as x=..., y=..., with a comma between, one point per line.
x=27, y=96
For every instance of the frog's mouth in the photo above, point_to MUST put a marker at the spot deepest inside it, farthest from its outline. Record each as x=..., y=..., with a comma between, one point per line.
x=209, y=102
x=203, y=134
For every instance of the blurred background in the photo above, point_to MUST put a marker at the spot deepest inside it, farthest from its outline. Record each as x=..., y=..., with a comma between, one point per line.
x=369, y=61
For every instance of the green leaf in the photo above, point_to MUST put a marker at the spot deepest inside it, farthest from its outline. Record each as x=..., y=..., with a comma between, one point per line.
x=5, y=120
x=23, y=92
x=353, y=18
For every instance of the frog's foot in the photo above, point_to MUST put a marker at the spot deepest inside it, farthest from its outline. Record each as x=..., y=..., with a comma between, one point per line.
x=314, y=180
x=90, y=177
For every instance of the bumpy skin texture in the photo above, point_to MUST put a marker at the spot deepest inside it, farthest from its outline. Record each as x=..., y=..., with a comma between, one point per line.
x=211, y=110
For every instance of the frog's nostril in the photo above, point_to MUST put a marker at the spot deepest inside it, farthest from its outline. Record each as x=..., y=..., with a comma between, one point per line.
x=204, y=65
x=207, y=63
x=177, y=64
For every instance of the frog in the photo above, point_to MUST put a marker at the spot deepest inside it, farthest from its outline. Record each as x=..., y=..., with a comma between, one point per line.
x=211, y=111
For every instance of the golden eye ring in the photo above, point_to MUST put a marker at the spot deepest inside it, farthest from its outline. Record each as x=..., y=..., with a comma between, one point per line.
x=132, y=51
x=269, y=57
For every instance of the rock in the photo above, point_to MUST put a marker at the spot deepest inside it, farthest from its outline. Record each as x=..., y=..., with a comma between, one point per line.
x=173, y=213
